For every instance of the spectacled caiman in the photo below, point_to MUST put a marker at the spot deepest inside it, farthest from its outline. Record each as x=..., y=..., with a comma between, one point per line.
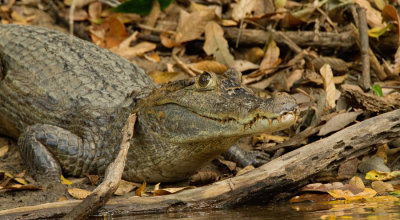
x=66, y=101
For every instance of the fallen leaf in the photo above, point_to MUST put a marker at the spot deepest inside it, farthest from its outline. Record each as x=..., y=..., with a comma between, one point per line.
x=216, y=44
x=167, y=41
x=137, y=50
x=338, y=122
x=78, y=193
x=374, y=17
x=78, y=15
x=4, y=147
x=245, y=170
x=167, y=191
x=229, y=164
x=165, y=77
x=191, y=26
x=125, y=187
x=242, y=9
x=140, y=190
x=382, y=187
x=348, y=195
x=357, y=182
x=153, y=57
x=375, y=175
x=329, y=85
x=94, y=10
x=296, y=75
x=203, y=178
x=18, y=187
x=244, y=65
x=65, y=181
x=209, y=65
x=93, y=179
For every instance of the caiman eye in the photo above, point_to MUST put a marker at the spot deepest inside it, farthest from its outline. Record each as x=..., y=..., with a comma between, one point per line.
x=205, y=79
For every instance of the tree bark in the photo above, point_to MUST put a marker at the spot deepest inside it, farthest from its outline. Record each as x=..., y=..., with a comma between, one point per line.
x=284, y=173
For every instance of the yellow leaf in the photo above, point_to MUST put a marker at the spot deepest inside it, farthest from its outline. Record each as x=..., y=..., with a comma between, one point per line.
x=65, y=181
x=141, y=189
x=375, y=175
x=379, y=31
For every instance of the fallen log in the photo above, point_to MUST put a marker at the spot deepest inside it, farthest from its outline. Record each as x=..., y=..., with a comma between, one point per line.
x=284, y=173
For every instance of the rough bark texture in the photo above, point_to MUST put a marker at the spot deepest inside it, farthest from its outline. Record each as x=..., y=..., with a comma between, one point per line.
x=284, y=172
x=343, y=40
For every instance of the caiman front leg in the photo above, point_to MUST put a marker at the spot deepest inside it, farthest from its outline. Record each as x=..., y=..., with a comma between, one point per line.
x=42, y=146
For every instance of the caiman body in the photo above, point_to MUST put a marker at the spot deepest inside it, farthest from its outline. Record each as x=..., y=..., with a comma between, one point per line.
x=66, y=101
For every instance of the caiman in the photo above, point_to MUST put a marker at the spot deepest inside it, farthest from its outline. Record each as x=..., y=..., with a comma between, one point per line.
x=66, y=100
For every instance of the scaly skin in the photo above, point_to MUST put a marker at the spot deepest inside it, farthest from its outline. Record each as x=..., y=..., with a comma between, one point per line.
x=66, y=101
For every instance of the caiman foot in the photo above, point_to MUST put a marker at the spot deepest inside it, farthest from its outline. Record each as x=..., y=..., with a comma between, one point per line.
x=37, y=144
x=245, y=158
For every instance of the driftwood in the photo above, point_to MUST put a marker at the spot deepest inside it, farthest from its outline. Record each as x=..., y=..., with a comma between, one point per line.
x=282, y=174
x=112, y=177
x=344, y=40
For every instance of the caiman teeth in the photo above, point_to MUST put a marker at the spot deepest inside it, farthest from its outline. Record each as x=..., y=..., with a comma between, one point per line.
x=250, y=123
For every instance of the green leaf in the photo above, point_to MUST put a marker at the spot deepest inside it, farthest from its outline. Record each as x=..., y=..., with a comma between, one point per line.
x=141, y=7
x=377, y=89
x=164, y=3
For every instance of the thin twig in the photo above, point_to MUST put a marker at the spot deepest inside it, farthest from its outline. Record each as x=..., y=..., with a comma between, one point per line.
x=71, y=17
x=364, y=47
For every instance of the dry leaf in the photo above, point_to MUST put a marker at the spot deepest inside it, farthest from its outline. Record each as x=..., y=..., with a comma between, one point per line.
x=110, y=33
x=78, y=3
x=374, y=17
x=244, y=65
x=338, y=122
x=245, y=170
x=296, y=75
x=228, y=23
x=203, y=177
x=209, y=65
x=137, y=50
x=165, y=77
x=216, y=44
x=329, y=85
x=125, y=187
x=4, y=146
x=78, y=193
x=95, y=10
x=229, y=164
x=17, y=187
x=242, y=9
x=78, y=15
x=382, y=187
x=271, y=57
x=93, y=179
x=337, y=65
x=254, y=54
x=357, y=182
x=167, y=191
x=140, y=190
x=167, y=41
x=191, y=26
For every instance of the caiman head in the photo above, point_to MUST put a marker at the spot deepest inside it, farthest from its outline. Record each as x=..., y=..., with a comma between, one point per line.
x=204, y=116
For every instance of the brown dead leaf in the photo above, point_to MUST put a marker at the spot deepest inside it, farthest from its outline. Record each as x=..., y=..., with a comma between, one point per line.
x=137, y=50
x=382, y=187
x=140, y=190
x=79, y=193
x=94, y=10
x=209, y=65
x=317, y=79
x=165, y=77
x=254, y=55
x=245, y=170
x=296, y=75
x=244, y=65
x=216, y=45
x=228, y=23
x=329, y=85
x=390, y=13
x=125, y=187
x=5, y=7
x=18, y=187
x=242, y=9
x=338, y=122
x=153, y=57
x=110, y=33
x=93, y=179
x=311, y=197
x=78, y=3
x=203, y=178
x=167, y=41
x=191, y=26
x=374, y=17
x=229, y=164
x=167, y=191
x=357, y=182
x=320, y=187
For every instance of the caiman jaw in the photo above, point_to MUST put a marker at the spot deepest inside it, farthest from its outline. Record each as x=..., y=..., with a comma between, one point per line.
x=289, y=117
